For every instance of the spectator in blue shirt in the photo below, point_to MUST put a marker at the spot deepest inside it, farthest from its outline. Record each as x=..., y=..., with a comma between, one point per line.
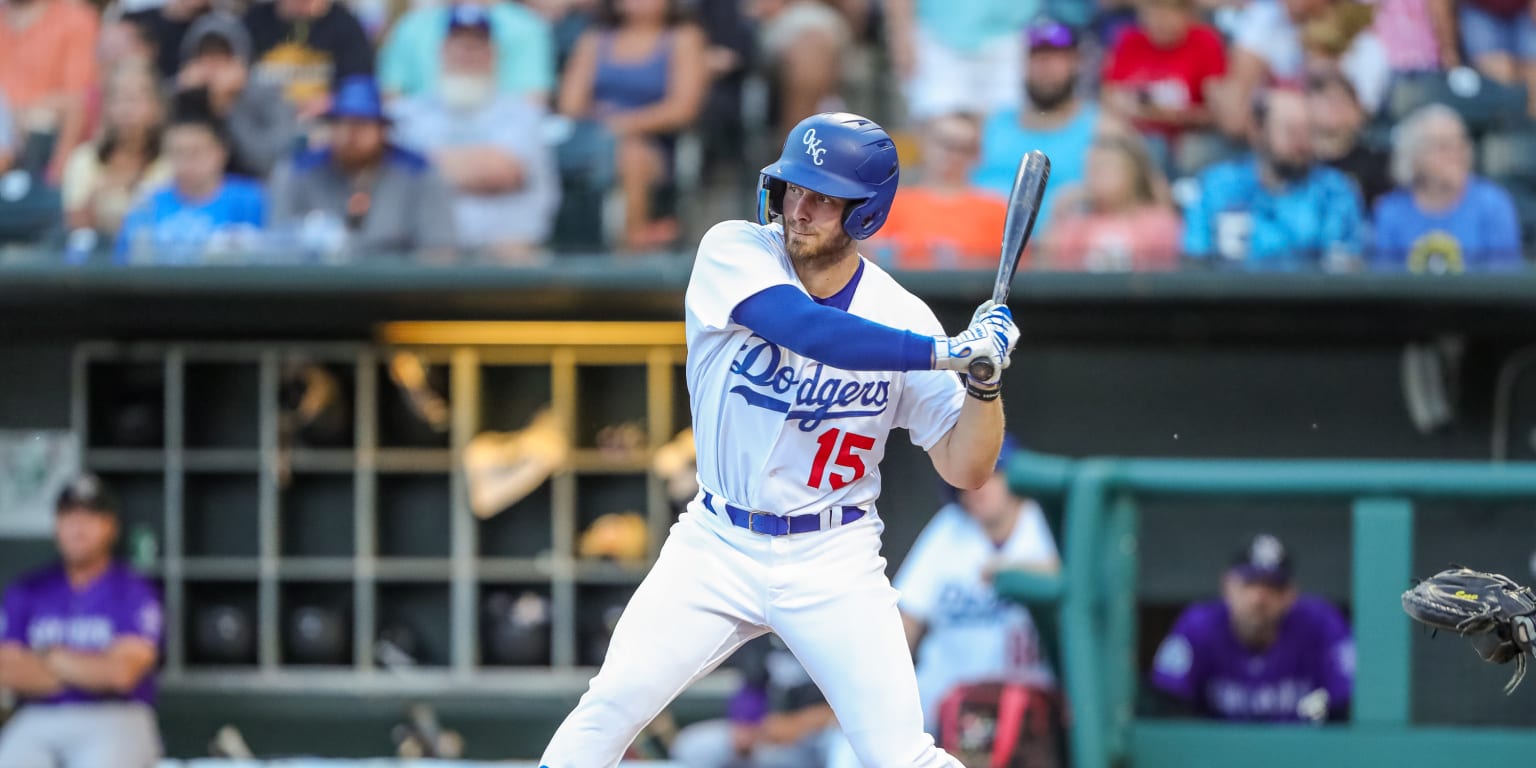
x=202, y=211
x=1442, y=218
x=1054, y=120
x=1277, y=208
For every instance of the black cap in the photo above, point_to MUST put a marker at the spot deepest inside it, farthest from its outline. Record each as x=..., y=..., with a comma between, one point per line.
x=1264, y=559
x=87, y=491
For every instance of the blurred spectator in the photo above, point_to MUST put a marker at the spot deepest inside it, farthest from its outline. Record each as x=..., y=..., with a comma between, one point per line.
x=383, y=199
x=119, y=44
x=489, y=145
x=1263, y=652
x=943, y=221
x=804, y=45
x=1268, y=49
x=637, y=81
x=567, y=19
x=1120, y=219
x=409, y=59
x=259, y=122
x=960, y=629
x=306, y=47
x=79, y=640
x=47, y=70
x=1277, y=207
x=730, y=58
x=1055, y=119
x=1418, y=35
x=957, y=57
x=1340, y=39
x=204, y=211
x=1443, y=218
x=7, y=135
x=124, y=41
x=166, y=27
x=1499, y=36
x=107, y=177
x=1338, y=125
x=1157, y=72
x=777, y=719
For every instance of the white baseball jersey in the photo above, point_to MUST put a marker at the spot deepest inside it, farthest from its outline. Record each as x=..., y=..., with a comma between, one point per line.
x=779, y=432
x=973, y=635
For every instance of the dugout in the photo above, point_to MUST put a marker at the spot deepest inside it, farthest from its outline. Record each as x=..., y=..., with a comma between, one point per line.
x=1193, y=365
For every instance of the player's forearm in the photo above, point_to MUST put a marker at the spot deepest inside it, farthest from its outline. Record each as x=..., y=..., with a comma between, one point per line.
x=99, y=672
x=23, y=672
x=966, y=456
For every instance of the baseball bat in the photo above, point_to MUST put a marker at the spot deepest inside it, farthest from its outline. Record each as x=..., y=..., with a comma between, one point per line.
x=1023, y=204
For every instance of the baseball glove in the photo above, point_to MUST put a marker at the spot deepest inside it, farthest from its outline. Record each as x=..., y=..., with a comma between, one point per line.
x=1497, y=615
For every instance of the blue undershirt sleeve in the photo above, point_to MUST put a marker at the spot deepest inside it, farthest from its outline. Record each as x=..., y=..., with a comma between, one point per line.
x=785, y=316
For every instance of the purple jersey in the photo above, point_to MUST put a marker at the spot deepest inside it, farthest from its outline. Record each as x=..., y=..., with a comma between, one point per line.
x=42, y=611
x=1202, y=663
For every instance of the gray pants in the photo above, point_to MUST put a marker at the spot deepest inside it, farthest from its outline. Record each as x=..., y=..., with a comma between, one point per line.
x=708, y=745
x=107, y=735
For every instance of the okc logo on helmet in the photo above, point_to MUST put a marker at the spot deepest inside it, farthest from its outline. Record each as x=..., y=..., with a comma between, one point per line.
x=813, y=146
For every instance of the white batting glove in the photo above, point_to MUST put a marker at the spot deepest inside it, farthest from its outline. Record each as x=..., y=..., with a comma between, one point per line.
x=991, y=334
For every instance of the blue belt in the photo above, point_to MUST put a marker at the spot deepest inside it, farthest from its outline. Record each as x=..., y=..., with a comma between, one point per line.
x=780, y=525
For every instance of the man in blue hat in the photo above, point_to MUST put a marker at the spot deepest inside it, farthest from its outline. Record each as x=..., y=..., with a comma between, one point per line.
x=388, y=199
x=487, y=143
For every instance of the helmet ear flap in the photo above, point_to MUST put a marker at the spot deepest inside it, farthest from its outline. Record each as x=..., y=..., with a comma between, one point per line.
x=864, y=218
x=770, y=199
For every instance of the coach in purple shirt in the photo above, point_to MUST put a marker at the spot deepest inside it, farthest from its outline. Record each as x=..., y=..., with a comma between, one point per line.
x=78, y=645
x=1261, y=653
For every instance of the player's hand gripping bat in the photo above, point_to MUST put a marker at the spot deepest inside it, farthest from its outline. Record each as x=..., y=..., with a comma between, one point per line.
x=1023, y=203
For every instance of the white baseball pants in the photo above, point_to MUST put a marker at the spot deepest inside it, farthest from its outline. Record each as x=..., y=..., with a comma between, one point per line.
x=714, y=587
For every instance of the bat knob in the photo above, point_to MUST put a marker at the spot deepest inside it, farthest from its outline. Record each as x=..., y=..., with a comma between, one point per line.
x=982, y=369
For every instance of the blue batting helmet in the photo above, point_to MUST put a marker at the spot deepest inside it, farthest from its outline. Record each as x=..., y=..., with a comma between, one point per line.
x=840, y=155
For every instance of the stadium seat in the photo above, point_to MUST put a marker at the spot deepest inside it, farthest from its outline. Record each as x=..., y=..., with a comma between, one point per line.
x=1508, y=156
x=1199, y=149
x=1484, y=104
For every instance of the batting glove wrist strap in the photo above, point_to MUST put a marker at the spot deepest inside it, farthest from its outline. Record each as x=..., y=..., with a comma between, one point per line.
x=983, y=392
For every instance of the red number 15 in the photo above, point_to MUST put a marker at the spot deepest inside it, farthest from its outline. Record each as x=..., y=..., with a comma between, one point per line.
x=845, y=458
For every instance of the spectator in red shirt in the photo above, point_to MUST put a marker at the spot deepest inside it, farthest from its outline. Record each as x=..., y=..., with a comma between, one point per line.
x=1157, y=72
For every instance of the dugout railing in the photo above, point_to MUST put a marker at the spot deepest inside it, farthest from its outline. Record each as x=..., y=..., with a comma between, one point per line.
x=1093, y=607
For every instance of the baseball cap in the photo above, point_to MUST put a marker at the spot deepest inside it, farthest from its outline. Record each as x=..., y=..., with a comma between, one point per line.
x=214, y=28
x=1263, y=559
x=357, y=97
x=468, y=18
x=87, y=491
x=1049, y=34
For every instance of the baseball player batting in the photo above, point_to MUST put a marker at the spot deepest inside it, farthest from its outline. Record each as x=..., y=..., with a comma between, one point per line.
x=802, y=357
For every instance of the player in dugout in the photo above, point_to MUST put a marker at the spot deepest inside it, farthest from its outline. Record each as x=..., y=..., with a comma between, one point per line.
x=78, y=644
x=1262, y=653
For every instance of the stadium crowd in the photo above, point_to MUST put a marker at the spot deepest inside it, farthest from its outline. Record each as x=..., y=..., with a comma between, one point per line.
x=1341, y=135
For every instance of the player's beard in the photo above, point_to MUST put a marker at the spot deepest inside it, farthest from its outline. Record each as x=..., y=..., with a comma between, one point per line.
x=818, y=253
